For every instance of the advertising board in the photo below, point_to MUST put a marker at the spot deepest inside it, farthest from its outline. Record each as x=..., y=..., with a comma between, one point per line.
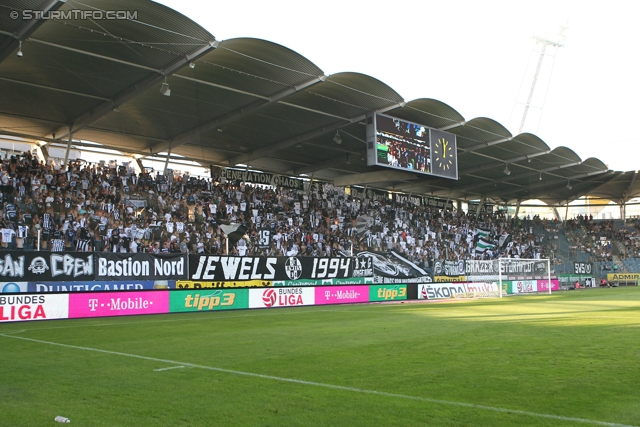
x=99, y=285
x=341, y=294
x=13, y=287
x=387, y=293
x=107, y=304
x=325, y=282
x=543, y=285
x=623, y=277
x=441, y=290
x=190, y=284
x=524, y=286
x=23, y=307
x=281, y=297
x=208, y=300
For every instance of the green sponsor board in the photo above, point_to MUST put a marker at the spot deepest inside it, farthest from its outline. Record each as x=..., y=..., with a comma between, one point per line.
x=208, y=299
x=325, y=282
x=387, y=292
x=507, y=287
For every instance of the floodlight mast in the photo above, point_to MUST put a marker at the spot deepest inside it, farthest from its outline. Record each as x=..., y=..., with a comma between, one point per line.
x=544, y=42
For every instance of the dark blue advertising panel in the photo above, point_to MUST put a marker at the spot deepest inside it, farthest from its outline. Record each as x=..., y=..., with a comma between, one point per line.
x=46, y=266
x=230, y=268
x=123, y=285
x=141, y=266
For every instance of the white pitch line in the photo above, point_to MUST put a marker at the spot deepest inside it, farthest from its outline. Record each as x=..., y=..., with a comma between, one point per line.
x=335, y=387
x=170, y=367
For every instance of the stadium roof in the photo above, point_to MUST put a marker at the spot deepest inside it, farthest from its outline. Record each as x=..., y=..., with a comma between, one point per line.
x=249, y=101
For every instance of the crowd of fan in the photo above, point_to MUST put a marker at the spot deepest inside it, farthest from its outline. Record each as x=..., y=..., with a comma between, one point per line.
x=106, y=207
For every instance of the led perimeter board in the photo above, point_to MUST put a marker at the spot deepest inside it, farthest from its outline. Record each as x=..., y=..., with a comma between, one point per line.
x=398, y=144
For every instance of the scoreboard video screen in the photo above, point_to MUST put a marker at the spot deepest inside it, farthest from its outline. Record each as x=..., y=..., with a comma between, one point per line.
x=399, y=144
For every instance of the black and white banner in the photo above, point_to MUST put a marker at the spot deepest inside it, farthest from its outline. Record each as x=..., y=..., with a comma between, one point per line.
x=262, y=178
x=391, y=267
x=46, y=266
x=141, y=266
x=582, y=267
x=226, y=268
x=481, y=268
x=448, y=268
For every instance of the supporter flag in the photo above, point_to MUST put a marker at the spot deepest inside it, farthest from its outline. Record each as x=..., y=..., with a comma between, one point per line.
x=483, y=245
x=233, y=231
x=482, y=233
x=504, y=240
x=363, y=223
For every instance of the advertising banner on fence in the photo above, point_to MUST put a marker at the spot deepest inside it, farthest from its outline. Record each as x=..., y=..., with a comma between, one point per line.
x=341, y=294
x=13, y=287
x=449, y=279
x=483, y=290
x=387, y=293
x=623, y=277
x=543, y=285
x=524, y=286
x=217, y=268
x=98, y=285
x=190, y=284
x=281, y=297
x=391, y=267
x=310, y=282
x=46, y=266
x=22, y=307
x=568, y=280
x=106, y=304
x=208, y=300
x=142, y=266
x=441, y=290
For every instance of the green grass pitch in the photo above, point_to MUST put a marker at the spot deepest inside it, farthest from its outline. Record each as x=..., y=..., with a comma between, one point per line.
x=569, y=359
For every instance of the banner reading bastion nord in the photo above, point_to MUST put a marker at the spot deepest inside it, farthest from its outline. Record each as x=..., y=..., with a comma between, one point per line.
x=141, y=266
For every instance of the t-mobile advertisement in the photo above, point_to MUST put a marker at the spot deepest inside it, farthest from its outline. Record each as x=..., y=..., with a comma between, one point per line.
x=341, y=294
x=118, y=304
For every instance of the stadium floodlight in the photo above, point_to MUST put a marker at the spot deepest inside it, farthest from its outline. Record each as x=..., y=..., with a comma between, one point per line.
x=337, y=138
x=540, y=176
x=165, y=90
x=20, y=50
x=347, y=159
x=192, y=64
x=569, y=186
x=506, y=169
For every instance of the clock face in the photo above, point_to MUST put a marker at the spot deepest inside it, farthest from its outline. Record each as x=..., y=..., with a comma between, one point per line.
x=443, y=154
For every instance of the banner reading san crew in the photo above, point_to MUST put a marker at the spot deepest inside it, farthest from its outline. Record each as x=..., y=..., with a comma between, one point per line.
x=18, y=266
x=141, y=266
x=231, y=268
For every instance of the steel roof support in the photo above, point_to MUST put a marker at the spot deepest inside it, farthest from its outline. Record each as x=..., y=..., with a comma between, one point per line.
x=233, y=116
x=27, y=28
x=244, y=158
x=131, y=92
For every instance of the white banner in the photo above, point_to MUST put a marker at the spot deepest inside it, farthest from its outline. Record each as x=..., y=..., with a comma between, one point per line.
x=524, y=286
x=458, y=290
x=19, y=308
x=281, y=297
